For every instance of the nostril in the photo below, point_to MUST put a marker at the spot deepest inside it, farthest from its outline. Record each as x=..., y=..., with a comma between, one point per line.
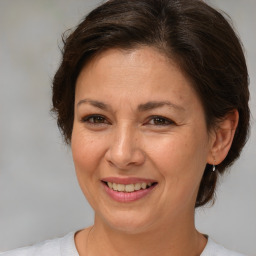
x=125, y=161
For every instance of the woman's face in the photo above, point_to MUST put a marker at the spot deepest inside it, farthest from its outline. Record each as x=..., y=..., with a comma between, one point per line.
x=139, y=141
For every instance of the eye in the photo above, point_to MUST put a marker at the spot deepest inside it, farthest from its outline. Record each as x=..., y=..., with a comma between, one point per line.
x=95, y=119
x=160, y=121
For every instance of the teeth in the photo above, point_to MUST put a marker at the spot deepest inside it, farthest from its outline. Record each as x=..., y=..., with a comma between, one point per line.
x=129, y=187
x=120, y=187
x=110, y=184
x=137, y=186
x=115, y=186
x=144, y=185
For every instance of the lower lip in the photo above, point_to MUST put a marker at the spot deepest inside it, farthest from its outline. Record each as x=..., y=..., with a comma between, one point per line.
x=125, y=197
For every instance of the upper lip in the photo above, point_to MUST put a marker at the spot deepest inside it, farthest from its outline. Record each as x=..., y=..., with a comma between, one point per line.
x=127, y=180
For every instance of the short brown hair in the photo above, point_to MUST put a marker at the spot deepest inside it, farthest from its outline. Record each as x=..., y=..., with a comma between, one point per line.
x=189, y=32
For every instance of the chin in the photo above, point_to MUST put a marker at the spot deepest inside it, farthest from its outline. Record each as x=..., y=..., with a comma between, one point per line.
x=128, y=222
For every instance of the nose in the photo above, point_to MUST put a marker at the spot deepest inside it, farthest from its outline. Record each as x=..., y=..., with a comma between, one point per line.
x=125, y=150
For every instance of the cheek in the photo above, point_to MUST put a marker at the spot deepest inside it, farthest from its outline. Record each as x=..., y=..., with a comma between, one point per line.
x=181, y=167
x=86, y=152
x=180, y=160
x=175, y=151
x=87, y=155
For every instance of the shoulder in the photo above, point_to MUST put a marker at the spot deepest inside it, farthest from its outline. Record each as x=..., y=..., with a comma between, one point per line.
x=64, y=246
x=214, y=249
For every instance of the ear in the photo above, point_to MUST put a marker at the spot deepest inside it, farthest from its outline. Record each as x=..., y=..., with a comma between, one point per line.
x=222, y=138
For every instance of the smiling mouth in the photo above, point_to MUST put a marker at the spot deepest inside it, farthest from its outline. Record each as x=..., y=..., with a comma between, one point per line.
x=129, y=188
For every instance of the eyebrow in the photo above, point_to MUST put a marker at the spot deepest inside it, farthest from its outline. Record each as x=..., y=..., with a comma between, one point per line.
x=94, y=103
x=142, y=107
x=157, y=104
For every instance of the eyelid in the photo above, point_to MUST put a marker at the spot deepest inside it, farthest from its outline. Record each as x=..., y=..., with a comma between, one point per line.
x=168, y=120
x=86, y=119
x=165, y=121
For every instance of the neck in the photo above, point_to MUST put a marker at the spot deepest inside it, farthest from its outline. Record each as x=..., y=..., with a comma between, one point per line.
x=173, y=239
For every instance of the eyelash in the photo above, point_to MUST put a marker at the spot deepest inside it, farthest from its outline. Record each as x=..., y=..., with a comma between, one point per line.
x=164, y=121
x=95, y=119
x=100, y=120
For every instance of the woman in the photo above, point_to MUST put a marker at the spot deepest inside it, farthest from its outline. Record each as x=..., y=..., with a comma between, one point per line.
x=152, y=96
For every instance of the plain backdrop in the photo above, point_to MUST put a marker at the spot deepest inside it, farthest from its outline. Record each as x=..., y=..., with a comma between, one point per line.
x=39, y=195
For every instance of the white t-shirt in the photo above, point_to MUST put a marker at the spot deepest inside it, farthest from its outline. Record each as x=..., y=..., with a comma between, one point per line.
x=65, y=246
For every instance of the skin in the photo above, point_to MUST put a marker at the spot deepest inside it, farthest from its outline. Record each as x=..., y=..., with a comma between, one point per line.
x=125, y=140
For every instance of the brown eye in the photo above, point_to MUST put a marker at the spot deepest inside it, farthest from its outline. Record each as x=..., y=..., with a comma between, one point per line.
x=95, y=119
x=161, y=121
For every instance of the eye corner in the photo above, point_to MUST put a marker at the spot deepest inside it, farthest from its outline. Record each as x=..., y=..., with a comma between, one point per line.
x=95, y=119
x=158, y=120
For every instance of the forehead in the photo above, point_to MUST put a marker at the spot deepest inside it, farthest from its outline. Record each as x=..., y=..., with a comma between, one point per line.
x=132, y=55
x=143, y=72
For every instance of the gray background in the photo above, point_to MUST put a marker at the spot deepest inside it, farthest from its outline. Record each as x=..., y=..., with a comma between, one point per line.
x=39, y=194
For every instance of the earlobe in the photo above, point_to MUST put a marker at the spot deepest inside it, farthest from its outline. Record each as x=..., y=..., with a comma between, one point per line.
x=224, y=135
